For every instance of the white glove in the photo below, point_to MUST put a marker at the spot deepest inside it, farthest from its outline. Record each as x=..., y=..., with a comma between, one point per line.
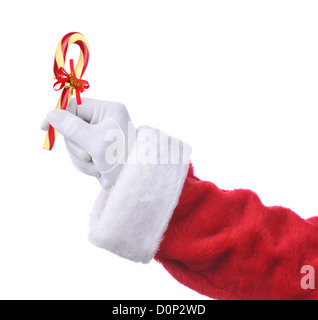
x=96, y=136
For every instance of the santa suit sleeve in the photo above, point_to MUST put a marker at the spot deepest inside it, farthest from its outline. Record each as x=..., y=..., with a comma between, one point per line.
x=222, y=244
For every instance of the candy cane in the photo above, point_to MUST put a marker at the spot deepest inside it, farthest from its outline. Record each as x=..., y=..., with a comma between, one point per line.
x=68, y=82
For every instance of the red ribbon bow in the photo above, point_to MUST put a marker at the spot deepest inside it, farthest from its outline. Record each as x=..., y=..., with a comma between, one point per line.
x=78, y=84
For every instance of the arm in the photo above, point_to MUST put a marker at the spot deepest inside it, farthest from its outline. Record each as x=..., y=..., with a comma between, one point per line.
x=223, y=244
x=228, y=245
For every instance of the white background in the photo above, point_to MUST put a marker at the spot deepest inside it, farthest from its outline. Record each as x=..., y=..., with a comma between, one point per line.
x=238, y=80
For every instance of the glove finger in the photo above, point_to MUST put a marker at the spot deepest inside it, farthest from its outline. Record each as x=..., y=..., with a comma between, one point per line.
x=72, y=128
x=44, y=125
x=88, y=110
x=71, y=108
x=77, y=151
x=94, y=111
x=86, y=167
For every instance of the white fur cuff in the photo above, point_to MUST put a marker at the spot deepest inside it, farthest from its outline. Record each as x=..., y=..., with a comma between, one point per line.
x=130, y=221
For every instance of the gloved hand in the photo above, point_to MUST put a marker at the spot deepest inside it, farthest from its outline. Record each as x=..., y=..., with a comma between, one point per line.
x=96, y=136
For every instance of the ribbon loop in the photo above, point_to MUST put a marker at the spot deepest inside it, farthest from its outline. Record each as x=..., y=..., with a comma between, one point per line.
x=70, y=83
x=70, y=80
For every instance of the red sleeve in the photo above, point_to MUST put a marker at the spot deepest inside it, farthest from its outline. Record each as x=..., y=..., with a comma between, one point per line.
x=228, y=245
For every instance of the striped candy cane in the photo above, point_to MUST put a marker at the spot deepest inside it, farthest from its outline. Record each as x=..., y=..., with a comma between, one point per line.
x=68, y=82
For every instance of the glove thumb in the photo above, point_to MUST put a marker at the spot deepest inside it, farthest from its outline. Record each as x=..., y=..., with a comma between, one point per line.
x=71, y=127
